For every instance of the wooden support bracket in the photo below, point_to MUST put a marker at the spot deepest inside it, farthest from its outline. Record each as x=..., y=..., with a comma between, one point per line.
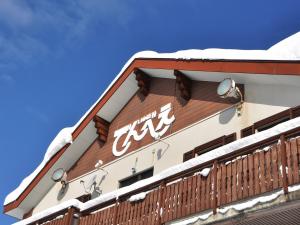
x=102, y=127
x=184, y=84
x=143, y=81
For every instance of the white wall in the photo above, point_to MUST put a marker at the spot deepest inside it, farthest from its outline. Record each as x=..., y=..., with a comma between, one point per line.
x=260, y=101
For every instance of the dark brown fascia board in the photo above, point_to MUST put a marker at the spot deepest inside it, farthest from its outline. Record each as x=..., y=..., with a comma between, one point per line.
x=270, y=67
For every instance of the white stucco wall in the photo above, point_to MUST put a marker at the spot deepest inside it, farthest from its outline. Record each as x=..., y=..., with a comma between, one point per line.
x=260, y=101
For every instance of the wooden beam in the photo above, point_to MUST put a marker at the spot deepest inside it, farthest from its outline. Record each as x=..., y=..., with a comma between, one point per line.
x=283, y=164
x=214, y=200
x=70, y=216
x=116, y=211
x=162, y=188
x=143, y=81
x=184, y=84
x=102, y=127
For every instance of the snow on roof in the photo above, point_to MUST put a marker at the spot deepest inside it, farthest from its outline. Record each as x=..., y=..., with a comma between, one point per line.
x=287, y=49
x=209, y=156
x=62, y=138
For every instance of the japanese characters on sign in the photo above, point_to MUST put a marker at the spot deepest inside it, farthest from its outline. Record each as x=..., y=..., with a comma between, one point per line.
x=130, y=131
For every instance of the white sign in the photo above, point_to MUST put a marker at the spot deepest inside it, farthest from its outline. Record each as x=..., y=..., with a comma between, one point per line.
x=130, y=130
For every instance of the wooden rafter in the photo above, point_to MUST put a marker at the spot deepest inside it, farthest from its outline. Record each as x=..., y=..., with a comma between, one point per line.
x=102, y=127
x=143, y=81
x=184, y=84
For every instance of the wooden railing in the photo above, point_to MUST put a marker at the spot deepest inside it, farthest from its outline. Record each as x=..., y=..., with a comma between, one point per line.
x=242, y=174
x=254, y=171
x=63, y=217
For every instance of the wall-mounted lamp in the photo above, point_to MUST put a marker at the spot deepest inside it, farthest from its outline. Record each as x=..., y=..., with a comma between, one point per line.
x=60, y=175
x=227, y=88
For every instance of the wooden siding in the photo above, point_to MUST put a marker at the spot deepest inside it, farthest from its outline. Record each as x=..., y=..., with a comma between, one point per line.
x=204, y=102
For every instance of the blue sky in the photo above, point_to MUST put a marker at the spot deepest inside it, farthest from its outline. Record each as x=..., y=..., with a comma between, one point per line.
x=57, y=56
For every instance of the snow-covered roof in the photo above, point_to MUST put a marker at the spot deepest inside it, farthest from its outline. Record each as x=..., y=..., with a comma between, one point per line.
x=286, y=50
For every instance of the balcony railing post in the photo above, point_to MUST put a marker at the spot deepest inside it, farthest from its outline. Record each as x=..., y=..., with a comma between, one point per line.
x=70, y=216
x=160, y=203
x=283, y=164
x=116, y=211
x=214, y=200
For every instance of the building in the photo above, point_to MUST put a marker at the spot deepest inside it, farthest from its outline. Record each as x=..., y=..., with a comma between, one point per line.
x=193, y=137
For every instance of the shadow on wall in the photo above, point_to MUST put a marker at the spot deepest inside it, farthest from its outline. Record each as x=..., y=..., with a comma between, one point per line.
x=62, y=192
x=227, y=115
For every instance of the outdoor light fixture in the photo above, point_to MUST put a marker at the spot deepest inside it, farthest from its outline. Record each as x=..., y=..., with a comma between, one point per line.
x=227, y=88
x=60, y=175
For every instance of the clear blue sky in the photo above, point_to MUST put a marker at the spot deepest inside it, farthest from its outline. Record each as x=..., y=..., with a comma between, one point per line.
x=57, y=56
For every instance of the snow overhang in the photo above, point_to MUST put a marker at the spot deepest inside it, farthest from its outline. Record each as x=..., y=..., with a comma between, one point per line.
x=208, y=65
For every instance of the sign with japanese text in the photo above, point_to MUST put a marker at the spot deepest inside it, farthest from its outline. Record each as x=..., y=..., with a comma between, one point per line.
x=130, y=131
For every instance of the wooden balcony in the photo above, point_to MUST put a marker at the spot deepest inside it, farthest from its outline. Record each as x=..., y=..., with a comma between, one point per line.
x=252, y=173
x=244, y=174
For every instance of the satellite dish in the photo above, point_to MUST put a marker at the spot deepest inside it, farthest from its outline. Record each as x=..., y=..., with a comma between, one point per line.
x=58, y=175
x=227, y=88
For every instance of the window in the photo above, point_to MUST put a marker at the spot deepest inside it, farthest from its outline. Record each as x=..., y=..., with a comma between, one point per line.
x=84, y=198
x=271, y=121
x=209, y=146
x=136, y=177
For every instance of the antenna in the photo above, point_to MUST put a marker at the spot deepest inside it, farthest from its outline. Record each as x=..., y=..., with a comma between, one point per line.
x=92, y=182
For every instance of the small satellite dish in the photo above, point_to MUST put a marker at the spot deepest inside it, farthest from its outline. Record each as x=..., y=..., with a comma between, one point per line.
x=58, y=175
x=227, y=88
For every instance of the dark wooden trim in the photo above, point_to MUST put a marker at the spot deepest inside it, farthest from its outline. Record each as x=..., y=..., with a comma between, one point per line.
x=143, y=81
x=84, y=198
x=283, y=164
x=271, y=121
x=214, y=200
x=295, y=112
x=184, y=85
x=116, y=211
x=28, y=214
x=230, y=66
x=102, y=127
x=247, y=131
x=70, y=215
x=188, y=155
x=223, y=140
x=162, y=188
